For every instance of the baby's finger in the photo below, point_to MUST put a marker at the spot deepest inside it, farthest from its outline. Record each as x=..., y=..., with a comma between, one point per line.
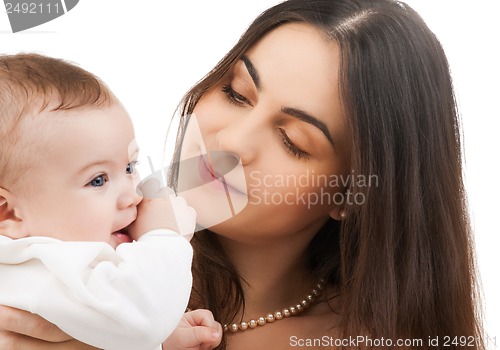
x=203, y=317
x=207, y=337
x=185, y=217
x=150, y=187
x=167, y=192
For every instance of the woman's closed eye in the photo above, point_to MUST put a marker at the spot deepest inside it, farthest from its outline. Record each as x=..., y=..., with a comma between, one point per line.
x=235, y=97
x=238, y=99
x=291, y=147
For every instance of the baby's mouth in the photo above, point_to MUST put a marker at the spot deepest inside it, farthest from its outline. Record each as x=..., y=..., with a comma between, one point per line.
x=122, y=235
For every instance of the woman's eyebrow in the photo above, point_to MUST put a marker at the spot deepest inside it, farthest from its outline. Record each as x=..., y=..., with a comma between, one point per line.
x=301, y=115
x=252, y=71
x=297, y=113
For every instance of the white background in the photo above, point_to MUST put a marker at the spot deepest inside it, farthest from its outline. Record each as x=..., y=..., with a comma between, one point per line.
x=150, y=52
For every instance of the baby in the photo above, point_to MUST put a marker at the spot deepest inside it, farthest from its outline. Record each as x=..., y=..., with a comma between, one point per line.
x=69, y=210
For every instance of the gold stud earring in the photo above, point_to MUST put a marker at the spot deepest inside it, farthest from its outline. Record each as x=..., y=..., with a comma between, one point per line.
x=343, y=214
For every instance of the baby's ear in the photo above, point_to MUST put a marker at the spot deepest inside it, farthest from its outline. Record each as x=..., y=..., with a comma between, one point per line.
x=11, y=223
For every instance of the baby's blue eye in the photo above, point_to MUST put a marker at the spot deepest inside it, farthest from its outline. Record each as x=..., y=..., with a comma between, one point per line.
x=131, y=167
x=98, y=181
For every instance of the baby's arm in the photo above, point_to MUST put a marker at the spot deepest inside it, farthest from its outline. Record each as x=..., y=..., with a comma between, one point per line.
x=128, y=299
x=197, y=331
x=131, y=298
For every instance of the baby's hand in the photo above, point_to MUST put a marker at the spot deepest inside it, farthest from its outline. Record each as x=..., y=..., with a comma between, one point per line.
x=163, y=210
x=197, y=330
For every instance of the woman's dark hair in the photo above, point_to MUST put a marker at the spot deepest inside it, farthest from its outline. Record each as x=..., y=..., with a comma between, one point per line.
x=404, y=260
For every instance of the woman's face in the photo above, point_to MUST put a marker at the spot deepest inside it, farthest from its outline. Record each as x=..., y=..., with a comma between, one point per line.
x=279, y=110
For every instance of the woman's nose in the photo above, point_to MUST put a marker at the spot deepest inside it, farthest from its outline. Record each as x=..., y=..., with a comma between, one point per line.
x=244, y=137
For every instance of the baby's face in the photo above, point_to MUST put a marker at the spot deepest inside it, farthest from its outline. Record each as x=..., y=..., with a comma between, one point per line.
x=83, y=186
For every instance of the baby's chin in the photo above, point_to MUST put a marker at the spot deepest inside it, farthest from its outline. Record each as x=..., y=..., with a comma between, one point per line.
x=118, y=238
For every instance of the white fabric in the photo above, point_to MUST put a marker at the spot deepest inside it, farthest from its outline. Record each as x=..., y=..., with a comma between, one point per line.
x=128, y=299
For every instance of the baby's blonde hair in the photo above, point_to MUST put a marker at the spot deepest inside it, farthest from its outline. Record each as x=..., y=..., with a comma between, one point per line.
x=32, y=83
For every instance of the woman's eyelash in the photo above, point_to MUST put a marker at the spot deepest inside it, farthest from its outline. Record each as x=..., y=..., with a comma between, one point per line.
x=294, y=150
x=234, y=97
x=240, y=100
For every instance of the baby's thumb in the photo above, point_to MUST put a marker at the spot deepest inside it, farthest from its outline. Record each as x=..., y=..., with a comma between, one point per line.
x=207, y=337
x=185, y=217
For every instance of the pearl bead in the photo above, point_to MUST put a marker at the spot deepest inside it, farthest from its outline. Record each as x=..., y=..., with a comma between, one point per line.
x=279, y=315
x=270, y=318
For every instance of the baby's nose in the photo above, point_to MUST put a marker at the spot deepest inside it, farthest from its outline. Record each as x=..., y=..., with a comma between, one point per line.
x=130, y=197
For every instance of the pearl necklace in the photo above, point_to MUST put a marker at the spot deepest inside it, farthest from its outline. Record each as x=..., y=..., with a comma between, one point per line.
x=279, y=315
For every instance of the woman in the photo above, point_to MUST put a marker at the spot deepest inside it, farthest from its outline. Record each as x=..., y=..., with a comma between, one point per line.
x=354, y=99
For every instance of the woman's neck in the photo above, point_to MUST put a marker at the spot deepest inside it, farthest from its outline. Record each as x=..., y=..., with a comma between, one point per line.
x=274, y=275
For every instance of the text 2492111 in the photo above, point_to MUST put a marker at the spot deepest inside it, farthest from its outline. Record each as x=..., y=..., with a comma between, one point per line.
x=31, y=7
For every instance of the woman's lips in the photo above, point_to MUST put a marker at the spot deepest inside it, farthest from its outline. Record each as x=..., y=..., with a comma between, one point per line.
x=209, y=176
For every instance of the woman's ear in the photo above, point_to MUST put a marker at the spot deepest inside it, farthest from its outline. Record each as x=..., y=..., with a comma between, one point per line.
x=338, y=213
x=11, y=222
